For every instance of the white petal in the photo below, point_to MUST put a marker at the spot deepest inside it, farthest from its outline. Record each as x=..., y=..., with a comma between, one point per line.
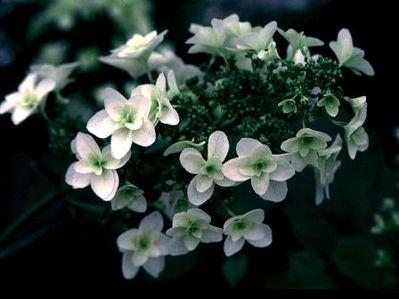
x=154, y=266
x=161, y=82
x=129, y=271
x=230, y=247
x=203, y=182
x=139, y=259
x=246, y=146
x=191, y=242
x=152, y=222
x=139, y=205
x=191, y=160
x=177, y=247
x=28, y=83
x=257, y=215
x=213, y=234
x=169, y=115
x=20, y=114
x=111, y=96
x=225, y=182
x=284, y=170
x=10, y=102
x=111, y=162
x=101, y=125
x=145, y=136
x=259, y=231
x=231, y=170
x=276, y=192
x=198, y=198
x=44, y=87
x=124, y=240
x=75, y=179
x=266, y=241
x=260, y=183
x=141, y=104
x=84, y=167
x=218, y=146
x=121, y=142
x=86, y=146
x=104, y=185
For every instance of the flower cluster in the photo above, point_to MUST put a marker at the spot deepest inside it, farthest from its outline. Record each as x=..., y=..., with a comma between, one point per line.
x=269, y=108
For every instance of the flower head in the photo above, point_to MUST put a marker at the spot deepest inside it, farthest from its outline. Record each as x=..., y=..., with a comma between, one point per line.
x=59, y=73
x=247, y=227
x=330, y=103
x=94, y=167
x=288, y=106
x=298, y=41
x=144, y=246
x=31, y=93
x=161, y=108
x=125, y=120
x=267, y=172
x=208, y=172
x=189, y=229
x=256, y=41
x=350, y=56
x=131, y=197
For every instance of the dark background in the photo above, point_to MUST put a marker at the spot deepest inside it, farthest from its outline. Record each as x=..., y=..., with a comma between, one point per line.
x=74, y=253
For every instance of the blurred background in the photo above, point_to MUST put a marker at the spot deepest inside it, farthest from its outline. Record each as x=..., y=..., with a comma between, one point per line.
x=351, y=241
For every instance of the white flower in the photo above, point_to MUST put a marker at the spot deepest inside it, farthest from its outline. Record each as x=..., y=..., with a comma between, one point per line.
x=268, y=173
x=355, y=135
x=189, y=229
x=139, y=46
x=350, y=56
x=326, y=168
x=288, y=106
x=299, y=58
x=330, y=103
x=131, y=197
x=144, y=247
x=161, y=108
x=22, y=103
x=209, y=172
x=59, y=73
x=304, y=146
x=298, y=41
x=256, y=41
x=134, y=67
x=126, y=120
x=94, y=167
x=247, y=227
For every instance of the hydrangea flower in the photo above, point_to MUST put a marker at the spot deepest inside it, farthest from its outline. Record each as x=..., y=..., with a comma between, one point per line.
x=268, y=173
x=209, y=172
x=173, y=202
x=189, y=229
x=298, y=41
x=330, y=103
x=126, y=121
x=59, y=74
x=350, y=56
x=94, y=167
x=247, y=227
x=355, y=135
x=139, y=46
x=288, y=106
x=304, y=147
x=134, y=67
x=131, y=197
x=256, y=41
x=145, y=246
x=270, y=53
x=161, y=108
x=326, y=168
x=31, y=93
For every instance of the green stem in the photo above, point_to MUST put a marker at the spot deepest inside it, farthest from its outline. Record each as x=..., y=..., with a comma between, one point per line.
x=230, y=212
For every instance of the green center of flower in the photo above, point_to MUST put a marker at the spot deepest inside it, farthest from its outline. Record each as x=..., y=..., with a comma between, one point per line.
x=193, y=228
x=29, y=101
x=97, y=162
x=142, y=242
x=127, y=116
x=239, y=225
x=306, y=141
x=262, y=165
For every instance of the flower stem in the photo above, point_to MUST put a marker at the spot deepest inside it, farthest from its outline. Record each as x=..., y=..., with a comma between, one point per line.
x=228, y=210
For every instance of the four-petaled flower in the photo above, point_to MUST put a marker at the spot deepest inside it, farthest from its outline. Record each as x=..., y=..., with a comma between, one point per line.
x=144, y=247
x=126, y=120
x=94, y=167
x=59, y=73
x=330, y=103
x=22, y=103
x=131, y=197
x=208, y=173
x=268, y=173
x=189, y=229
x=247, y=227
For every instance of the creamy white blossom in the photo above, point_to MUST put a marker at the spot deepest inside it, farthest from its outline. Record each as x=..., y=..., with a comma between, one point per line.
x=94, y=167
x=189, y=229
x=298, y=41
x=30, y=95
x=60, y=74
x=330, y=103
x=131, y=197
x=208, y=172
x=256, y=41
x=125, y=120
x=145, y=246
x=267, y=172
x=349, y=56
x=247, y=227
x=161, y=108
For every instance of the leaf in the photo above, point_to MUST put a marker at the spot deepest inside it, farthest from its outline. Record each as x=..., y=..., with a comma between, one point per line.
x=234, y=269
